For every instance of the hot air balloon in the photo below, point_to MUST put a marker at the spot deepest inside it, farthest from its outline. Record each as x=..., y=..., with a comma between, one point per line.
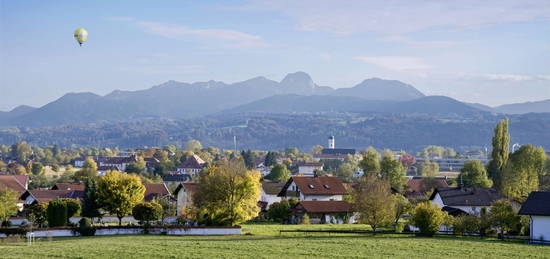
x=80, y=35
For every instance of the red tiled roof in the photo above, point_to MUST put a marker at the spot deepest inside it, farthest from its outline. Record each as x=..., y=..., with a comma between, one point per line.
x=12, y=182
x=49, y=195
x=69, y=186
x=120, y=160
x=192, y=162
x=322, y=206
x=153, y=190
x=320, y=185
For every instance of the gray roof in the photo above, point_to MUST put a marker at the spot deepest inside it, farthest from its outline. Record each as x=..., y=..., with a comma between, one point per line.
x=538, y=204
x=457, y=196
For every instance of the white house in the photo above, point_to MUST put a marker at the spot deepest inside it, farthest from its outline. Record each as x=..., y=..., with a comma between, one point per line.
x=537, y=207
x=184, y=196
x=308, y=169
x=457, y=200
x=321, y=198
x=269, y=193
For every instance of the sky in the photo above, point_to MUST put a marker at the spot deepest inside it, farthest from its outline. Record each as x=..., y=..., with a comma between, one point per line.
x=492, y=52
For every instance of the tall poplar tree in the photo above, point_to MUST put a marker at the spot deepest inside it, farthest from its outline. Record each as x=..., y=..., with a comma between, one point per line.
x=500, y=153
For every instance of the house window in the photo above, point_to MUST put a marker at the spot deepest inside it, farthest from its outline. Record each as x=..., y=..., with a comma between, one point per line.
x=311, y=186
x=326, y=186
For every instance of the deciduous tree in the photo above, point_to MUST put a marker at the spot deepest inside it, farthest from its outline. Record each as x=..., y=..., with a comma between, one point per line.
x=521, y=174
x=500, y=153
x=8, y=203
x=228, y=194
x=393, y=171
x=370, y=162
x=374, y=201
x=119, y=192
x=474, y=174
x=279, y=173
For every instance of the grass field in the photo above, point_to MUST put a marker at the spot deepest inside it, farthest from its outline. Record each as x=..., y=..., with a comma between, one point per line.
x=264, y=241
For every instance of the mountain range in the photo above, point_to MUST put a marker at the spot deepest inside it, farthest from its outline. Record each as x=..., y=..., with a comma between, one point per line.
x=297, y=92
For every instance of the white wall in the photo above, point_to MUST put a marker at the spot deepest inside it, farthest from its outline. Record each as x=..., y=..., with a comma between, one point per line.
x=540, y=227
x=320, y=197
x=469, y=209
x=308, y=170
x=269, y=199
x=193, y=231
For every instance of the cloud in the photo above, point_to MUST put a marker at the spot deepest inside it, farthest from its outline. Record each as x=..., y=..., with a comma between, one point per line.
x=401, y=16
x=396, y=63
x=231, y=38
x=502, y=77
x=421, y=44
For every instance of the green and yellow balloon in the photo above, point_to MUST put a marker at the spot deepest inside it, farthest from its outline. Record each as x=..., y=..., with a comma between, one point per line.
x=80, y=35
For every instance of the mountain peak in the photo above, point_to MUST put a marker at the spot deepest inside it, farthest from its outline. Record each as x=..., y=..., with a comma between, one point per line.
x=297, y=77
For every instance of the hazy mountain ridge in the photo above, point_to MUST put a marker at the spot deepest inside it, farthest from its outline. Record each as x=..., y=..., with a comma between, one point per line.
x=177, y=100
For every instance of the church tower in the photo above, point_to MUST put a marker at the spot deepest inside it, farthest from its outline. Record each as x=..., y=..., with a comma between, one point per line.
x=331, y=142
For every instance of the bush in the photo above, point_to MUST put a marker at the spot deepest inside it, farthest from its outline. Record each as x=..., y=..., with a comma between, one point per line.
x=147, y=211
x=399, y=227
x=428, y=218
x=38, y=214
x=73, y=207
x=466, y=224
x=305, y=220
x=85, y=227
x=57, y=213
x=278, y=211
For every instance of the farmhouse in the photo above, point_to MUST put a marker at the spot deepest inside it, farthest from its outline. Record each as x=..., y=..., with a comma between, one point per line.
x=537, y=207
x=119, y=162
x=457, y=200
x=325, y=188
x=191, y=165
x=184, y=196
x=321, y=198
x=269, y=193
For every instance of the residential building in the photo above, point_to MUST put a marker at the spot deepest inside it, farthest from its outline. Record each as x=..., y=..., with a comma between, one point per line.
x=458, y=200
x=17, y=183
x=322, y=188
x=69, y=186
x=154, y=190
x=418, y=187
x=119, y=162
x=184, y=196
x=321, y=198
x=321, y=212
x=191, y=165
x=269, y=193
x=38, y=196
x=309, y=168
x=537, y=207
